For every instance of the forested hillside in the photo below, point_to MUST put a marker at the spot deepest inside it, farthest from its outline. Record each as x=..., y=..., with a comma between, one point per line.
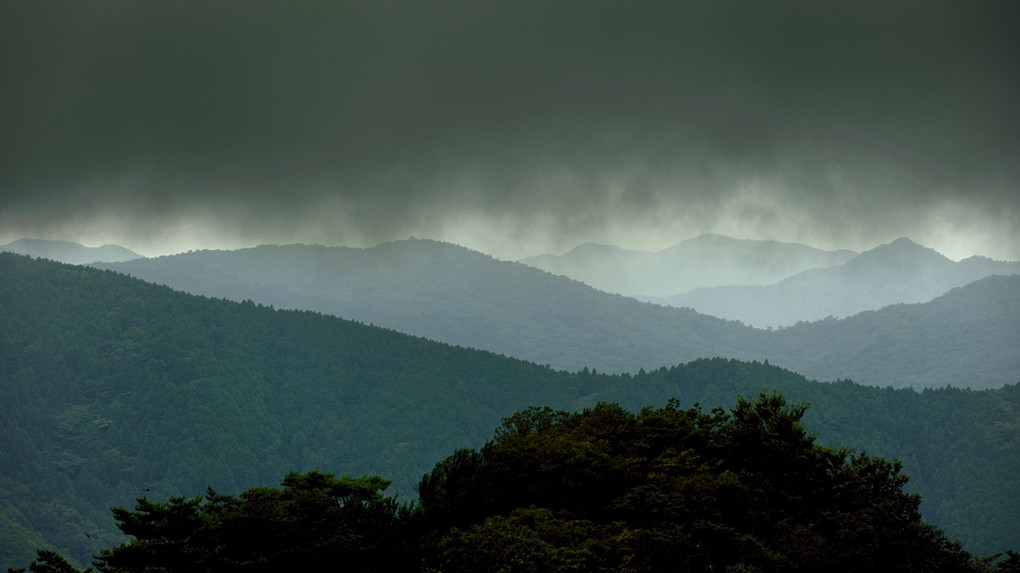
x=451, y=294
x=114, y=388
x=604, y=490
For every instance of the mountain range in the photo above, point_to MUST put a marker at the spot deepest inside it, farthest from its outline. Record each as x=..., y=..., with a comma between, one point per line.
x=704, y=261
x=452, y=294
x=766, y=284
x=115, y=388
x=898, y=272
x=69, y=252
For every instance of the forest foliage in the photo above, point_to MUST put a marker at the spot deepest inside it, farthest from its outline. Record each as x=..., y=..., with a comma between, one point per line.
x=603, y=490
x=114, y=388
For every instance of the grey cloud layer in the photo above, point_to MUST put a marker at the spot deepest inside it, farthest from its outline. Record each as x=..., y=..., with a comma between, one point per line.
x=328, y=121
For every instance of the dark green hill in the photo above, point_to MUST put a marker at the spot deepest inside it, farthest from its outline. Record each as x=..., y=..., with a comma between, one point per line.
x=114, y=388
x=601, y=491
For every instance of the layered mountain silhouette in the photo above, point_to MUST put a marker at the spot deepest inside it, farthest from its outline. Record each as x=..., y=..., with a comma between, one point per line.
x=707, y=260
x=68, y=252
x=972, y=333
x=115, y=388
x=898, y=272
x=452, y=294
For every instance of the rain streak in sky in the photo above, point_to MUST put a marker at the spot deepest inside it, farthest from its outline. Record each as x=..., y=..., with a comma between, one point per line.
x=513, y=128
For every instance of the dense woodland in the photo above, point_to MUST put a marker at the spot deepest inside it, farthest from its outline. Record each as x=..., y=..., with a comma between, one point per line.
x=603, y=490
x=114, y=388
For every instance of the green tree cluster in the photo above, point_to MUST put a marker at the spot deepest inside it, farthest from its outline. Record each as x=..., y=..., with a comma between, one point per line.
x=676, y=489
x=601, y=490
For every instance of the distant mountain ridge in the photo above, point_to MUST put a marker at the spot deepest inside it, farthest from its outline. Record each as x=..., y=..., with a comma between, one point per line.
x=452, y=294
x=69, y=252
x=706, y=260
x=898, y=272
x=449, y=293
x=972, y=333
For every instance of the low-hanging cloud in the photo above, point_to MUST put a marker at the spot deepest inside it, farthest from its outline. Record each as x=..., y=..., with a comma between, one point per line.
x=511, y=127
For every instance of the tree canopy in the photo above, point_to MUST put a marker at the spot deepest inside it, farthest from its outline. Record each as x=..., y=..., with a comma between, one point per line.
x=676, y=489
x=605, y=489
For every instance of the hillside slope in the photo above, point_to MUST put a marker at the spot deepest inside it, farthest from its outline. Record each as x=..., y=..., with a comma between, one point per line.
x=452, y=294
x=967, y=337
x=114, y=388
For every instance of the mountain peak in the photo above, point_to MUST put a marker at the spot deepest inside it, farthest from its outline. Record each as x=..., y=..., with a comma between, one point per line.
x=590, y=247
x=716, y=237
x=900, y=254
x=904, y=246
x=713, y=239
x=903, y=243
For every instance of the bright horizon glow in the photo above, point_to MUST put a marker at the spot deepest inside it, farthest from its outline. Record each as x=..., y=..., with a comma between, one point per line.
x=499, y=247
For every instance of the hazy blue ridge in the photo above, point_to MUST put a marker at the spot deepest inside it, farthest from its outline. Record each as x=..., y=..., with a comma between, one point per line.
x=452, y=294
x=704, y=261
x=967, y=337
x=898, y=272
x=68, y=252
x=115, y=388
x=455, y=295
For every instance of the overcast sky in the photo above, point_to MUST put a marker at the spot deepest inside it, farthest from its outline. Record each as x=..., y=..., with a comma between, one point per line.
x=514, y=128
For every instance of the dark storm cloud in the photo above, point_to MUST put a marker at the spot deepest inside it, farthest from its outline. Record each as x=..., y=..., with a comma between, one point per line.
x=559, y=120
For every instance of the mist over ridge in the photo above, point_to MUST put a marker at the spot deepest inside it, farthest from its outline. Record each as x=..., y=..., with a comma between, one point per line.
x=758, y=164
x=707, y=260
x=513, y=129
x=70, y=252
x=894, y=273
